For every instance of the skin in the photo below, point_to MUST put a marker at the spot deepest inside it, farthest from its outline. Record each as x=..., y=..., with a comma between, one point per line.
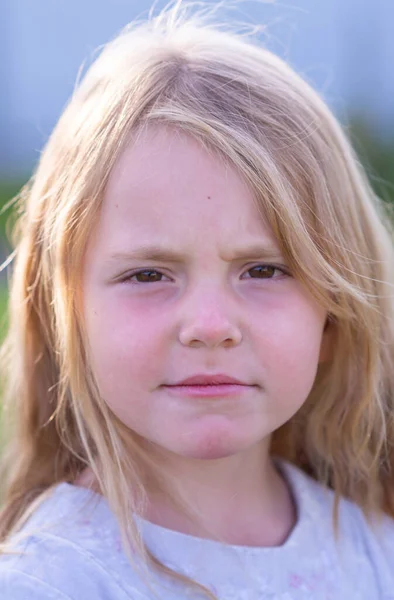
x=208, y=312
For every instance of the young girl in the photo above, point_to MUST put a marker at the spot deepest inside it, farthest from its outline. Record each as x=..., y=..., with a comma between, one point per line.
x=199, y=365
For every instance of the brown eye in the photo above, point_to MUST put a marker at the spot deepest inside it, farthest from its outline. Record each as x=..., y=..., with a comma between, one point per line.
x=264, y=271
x=147, y=276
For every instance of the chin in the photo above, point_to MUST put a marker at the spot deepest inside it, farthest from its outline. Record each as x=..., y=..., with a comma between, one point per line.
x=213, y=444
x=208, y=453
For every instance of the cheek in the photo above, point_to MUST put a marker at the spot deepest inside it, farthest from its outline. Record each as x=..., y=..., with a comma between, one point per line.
x=127, y=348
x=289, y=346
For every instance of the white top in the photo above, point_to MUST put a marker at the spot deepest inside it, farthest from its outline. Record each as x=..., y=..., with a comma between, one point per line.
x=73, y=552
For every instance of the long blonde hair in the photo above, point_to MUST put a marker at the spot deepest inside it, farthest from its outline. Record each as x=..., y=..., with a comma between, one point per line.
x=245, y=103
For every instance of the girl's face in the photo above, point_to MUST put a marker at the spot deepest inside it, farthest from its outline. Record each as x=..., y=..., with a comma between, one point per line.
x=182, y=277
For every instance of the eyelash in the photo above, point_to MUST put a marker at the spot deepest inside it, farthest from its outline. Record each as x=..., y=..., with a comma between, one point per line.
x=149, y=270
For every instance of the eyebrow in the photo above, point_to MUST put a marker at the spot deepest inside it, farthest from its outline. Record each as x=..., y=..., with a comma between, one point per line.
x=158, y=253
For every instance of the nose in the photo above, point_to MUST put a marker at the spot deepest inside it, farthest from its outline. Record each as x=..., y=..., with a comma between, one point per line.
x=208, y=323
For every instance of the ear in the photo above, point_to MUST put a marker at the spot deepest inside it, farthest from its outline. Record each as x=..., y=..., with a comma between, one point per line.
x=327, y=341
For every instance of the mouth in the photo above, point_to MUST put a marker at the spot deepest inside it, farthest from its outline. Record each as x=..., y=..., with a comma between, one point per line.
x=209, y=390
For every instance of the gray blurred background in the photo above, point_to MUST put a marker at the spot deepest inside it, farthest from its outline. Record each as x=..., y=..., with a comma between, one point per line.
x=345, y=48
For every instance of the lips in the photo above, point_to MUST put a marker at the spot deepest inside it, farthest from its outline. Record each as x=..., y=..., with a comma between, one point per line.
x=209, y=380
x=209, y=387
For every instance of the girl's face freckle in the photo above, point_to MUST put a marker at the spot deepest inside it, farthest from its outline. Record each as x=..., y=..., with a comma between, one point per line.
x=202, y=311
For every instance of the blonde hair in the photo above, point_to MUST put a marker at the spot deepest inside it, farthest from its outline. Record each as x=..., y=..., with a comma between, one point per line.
x=246, y=104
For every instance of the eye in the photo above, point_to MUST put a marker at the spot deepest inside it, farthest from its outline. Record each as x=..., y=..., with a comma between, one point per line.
x=266, y=272
x=145, y=276
x=262, y=271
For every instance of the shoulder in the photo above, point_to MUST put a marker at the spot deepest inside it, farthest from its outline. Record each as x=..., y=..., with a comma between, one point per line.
x=69, y=549
x=319, y=502
x=16, y=585
x=364, y=542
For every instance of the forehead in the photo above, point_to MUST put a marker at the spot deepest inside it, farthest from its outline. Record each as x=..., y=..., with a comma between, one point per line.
x=167, y=186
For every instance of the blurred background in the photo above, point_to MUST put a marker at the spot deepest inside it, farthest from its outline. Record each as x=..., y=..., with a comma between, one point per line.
x=345, y=48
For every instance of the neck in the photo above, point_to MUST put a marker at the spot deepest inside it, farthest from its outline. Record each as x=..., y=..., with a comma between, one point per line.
x=240, y=500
